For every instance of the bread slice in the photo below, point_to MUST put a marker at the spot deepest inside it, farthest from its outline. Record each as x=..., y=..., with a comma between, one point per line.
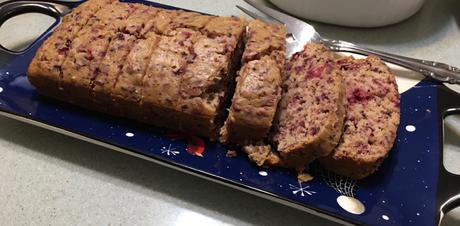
x=128, y=90
x=372, y=118
x=258, y=88
x=207, y=83
x=311, y=112
x=109, y=70
x=254, y=103
x=167, y=66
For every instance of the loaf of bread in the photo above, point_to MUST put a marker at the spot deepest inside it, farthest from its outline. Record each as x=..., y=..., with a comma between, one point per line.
x=177, y=69
x=372, y=118
x=168, y=68
x=311, y=112
x=258, y=88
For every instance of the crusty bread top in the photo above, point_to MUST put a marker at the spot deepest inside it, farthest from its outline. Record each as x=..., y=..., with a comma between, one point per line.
x=265, y=39
x=225, y=26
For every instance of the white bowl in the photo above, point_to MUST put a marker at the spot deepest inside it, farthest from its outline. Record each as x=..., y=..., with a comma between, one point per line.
x=355, y=13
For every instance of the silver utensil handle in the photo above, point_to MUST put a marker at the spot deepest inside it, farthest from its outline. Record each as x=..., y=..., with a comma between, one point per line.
x=435, y=70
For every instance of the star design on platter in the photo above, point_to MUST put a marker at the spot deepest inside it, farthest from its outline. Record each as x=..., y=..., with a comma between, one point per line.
x=301, y=189
x=169, y=151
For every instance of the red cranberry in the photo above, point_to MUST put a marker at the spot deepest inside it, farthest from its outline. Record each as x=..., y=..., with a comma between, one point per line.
x=314, y=131
x=358, y=95
x=63, y=51
x=315, y=72
x=342, y=61
x=298, y=69
x=89, y=56
x=120, y=37
x=187, y=34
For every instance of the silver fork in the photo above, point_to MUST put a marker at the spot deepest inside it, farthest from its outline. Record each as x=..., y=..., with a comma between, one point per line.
x=302, y=33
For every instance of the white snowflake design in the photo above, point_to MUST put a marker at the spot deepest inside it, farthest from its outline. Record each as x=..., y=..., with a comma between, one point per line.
x=303, y=190
x=169, y=151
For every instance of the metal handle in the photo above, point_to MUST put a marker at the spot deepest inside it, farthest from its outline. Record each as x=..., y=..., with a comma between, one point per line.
x=10, y=9
x=435, y=70
x=448, y=191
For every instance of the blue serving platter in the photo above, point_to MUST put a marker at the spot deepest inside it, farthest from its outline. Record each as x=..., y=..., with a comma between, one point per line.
x=412, y=187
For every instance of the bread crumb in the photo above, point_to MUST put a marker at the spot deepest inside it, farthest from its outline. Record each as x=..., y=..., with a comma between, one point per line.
x=304, y=177
x=231, y=154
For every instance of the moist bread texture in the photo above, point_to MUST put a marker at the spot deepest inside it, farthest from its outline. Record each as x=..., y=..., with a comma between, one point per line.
x=310, y=115
x=372, y=118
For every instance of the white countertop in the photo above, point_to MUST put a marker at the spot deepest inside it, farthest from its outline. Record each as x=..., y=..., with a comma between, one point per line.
x=50, y=179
